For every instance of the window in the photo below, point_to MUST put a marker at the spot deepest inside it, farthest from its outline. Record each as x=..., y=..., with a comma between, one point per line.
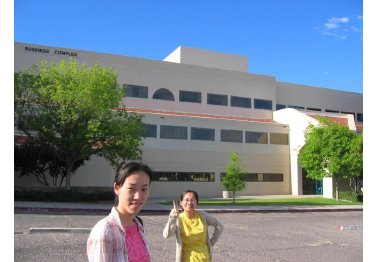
x=174, y=132
x=279, y=106
x=331, y=111
x=136, y=91
x=206, y=134
x=349, y=113
x=263, y=104
x=279, y=139
x=184, y=176
x=250, y=177
x=241, y=101
x=296, y=107
x=232, y=136
x=220, y=100
x=272, y=177
x=313, y=109
x=256, y=137
x=359, y=117
x=150, y=130
x=189, y=96
x=163, y=94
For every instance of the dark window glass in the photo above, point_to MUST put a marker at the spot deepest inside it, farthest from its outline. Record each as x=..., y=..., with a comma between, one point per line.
x=296, y=107
x=359, y=117
x=214, y=99
x=279, y=139
x=279, y=106
x=241, y=101
x=164, y=94
x=331, y=111
x=136, y=91
x=313, y=109
x=263, y=104
x=232, y=136
x=272, y=177
x=184, y=176
x=349, y=113
x=188, y=96
x=150, y=130
x=174, y=132
x=202, y=134
x=250, y=177
x=256, y=137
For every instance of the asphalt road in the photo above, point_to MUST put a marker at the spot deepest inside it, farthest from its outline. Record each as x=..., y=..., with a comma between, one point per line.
x=315, y=236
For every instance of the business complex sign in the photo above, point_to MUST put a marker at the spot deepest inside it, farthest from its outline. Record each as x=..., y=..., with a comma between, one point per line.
x=47, y=51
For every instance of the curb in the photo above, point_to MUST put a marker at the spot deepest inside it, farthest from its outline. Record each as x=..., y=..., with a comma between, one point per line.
x=86, y=211
x=58, y=230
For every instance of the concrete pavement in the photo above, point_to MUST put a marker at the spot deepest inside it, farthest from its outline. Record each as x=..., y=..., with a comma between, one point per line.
x=153, y=206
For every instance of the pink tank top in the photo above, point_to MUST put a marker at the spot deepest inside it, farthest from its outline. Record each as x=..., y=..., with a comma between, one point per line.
x=137, y=251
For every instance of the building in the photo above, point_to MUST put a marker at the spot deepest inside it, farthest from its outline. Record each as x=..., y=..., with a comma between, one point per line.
x=199, y=106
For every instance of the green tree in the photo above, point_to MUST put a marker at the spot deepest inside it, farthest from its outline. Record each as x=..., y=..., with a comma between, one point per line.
x=331, y=149
x=76, y=110
x=233, y=180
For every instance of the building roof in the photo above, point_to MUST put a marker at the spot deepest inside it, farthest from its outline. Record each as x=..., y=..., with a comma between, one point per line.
x=188, y=114
x=340, y=120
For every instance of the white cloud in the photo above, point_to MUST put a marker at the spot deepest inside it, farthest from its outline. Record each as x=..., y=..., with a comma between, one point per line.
x=342, y=27
x=334, y=22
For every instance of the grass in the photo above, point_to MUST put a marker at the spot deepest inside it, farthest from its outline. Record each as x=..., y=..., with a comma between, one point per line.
x=315, y=201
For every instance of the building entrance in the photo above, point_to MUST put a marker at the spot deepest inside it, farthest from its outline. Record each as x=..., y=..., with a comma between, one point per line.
x=311, y=186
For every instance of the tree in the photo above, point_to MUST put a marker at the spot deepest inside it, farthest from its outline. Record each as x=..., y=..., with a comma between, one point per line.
x=76, y=111
x=233, y=179
x=331, y=149
x=40, y=161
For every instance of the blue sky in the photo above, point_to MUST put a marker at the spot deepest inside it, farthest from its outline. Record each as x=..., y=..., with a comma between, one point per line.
x=312, y=42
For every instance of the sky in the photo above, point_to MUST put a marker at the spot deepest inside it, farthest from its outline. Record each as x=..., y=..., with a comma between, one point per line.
x=311, y=42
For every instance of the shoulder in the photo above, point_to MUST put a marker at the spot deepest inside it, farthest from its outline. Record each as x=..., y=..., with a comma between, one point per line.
x=210, y=219
x=104, y=228
x=203, y=214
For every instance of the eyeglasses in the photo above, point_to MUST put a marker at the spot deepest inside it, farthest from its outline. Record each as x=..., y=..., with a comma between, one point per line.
x=189, y=200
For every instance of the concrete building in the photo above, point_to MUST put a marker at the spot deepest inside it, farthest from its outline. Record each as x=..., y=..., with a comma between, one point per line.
x=199, y=106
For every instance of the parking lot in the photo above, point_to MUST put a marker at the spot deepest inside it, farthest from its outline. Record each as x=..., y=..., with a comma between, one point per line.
x=307, y=236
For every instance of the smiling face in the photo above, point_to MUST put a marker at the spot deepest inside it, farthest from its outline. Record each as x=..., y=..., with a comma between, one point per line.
x=189, y=202
x=133, y=194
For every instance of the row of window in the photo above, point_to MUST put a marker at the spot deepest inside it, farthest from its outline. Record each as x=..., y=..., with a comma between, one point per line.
x=220, y=100
x=208, y=134
x=210, y=177
x=358, y=116
x=195, y=97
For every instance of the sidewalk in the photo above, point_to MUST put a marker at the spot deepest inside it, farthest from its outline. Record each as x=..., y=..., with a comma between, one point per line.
x=154, y=207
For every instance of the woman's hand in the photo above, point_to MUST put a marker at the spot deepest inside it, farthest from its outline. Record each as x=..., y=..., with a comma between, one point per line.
x=174, y=211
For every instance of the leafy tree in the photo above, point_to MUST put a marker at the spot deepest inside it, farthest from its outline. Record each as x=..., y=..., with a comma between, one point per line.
x=76, y=111
x=40, y=161
x=331, y=149
x=233, y=179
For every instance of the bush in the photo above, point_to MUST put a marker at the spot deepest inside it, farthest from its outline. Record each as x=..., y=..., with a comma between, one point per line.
x=62, y=195
x=350, y=196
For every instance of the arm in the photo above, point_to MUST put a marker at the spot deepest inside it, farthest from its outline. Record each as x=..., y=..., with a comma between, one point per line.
x=170, y=228
x=100, y=246
x=218, y=228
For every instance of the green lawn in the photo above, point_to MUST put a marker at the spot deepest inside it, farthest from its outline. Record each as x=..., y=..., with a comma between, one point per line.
x=273, y=202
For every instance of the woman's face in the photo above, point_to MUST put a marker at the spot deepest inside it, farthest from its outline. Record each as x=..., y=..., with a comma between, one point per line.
x=189, y=202
x=134, y=193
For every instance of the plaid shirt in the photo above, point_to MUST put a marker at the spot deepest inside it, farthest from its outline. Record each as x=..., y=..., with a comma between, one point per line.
x=106, y=242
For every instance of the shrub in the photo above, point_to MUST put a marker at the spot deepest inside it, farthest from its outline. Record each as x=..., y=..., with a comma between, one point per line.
x=62, y=195
x=350, y=196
